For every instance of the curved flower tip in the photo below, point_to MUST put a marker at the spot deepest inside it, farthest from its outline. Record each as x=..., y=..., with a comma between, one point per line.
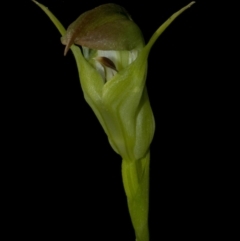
x=55, y=21
x=161, y=29
x=191, y=3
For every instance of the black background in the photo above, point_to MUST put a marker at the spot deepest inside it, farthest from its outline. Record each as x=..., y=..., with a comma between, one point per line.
x=65, y=178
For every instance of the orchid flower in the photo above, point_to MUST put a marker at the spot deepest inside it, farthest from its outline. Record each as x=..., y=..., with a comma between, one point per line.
x=112, y=68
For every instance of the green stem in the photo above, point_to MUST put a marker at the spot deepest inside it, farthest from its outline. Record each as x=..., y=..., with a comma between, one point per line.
x=136, y=184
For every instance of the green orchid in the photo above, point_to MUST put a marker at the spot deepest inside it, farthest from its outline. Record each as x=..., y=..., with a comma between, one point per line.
x=112, y=68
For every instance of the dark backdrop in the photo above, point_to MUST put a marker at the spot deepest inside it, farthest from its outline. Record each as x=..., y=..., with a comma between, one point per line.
x=65, y=178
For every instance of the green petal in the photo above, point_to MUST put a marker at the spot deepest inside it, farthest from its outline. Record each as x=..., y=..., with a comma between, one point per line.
x=126, y=101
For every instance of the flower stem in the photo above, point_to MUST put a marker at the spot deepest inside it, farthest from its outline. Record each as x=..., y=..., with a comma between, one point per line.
x=136, y=184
